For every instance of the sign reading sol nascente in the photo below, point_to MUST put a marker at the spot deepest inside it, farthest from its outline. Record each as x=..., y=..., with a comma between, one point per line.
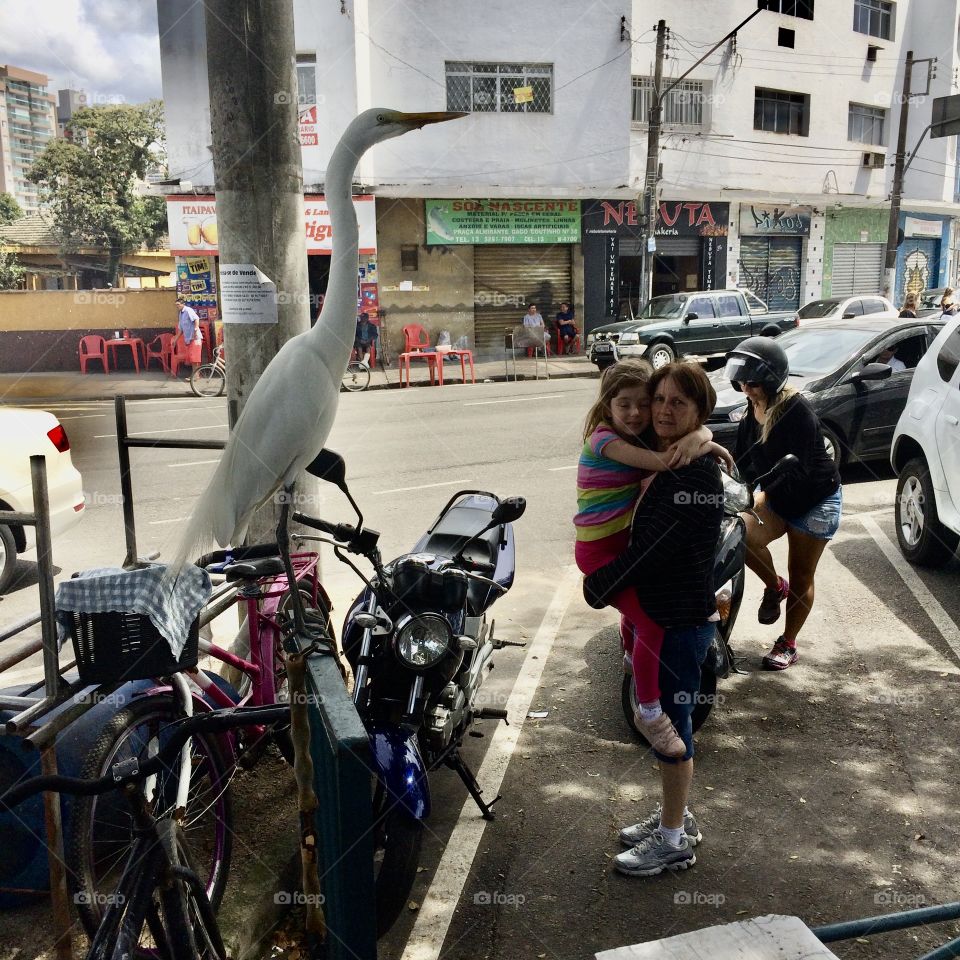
x=502, y=221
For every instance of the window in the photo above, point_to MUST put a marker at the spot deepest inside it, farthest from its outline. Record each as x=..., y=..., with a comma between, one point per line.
x=874, y=18
x=949, y=356
x=853, y=309
x=728, y=306
x=867, y=124
x=409, y=257
x=779, y=111
x=683, y=106
x=306, y=80
x=786, y=38
x=791, y=8
x=702, y=307
x=499, y=87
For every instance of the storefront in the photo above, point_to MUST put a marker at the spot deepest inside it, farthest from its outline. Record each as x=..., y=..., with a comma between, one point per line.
x=192, y=223
x=523, y=253
x=923, y=253
x=772, y=240
x=691, y=252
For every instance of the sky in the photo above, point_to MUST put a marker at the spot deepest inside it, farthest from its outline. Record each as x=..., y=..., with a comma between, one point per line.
x=109, y=48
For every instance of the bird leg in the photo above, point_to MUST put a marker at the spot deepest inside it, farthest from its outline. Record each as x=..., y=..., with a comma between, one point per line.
x=283, y=541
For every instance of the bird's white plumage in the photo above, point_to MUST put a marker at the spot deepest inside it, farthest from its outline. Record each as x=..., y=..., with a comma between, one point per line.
x=290, y=411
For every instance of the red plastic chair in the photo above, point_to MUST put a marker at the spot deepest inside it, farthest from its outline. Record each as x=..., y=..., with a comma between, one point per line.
x=93, y=347
x=178, y=356
x=415, y=338
x=572, y=347
x=356, y=355
x=159, y=349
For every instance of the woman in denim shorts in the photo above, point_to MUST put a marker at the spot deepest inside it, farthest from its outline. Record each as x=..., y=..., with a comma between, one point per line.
x=803, y=503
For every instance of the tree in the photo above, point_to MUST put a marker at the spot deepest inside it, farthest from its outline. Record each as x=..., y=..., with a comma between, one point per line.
x=11, y=273
x=88, y=180
x=9, y=209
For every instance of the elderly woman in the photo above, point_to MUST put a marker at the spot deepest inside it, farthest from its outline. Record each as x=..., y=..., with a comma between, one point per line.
x=669, y=562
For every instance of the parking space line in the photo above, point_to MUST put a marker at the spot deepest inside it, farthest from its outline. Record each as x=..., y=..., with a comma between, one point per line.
x=487, y=403
x=422, y=486
x=436, y=912
x=192, y=463
x=150, y=433
x=928, y=602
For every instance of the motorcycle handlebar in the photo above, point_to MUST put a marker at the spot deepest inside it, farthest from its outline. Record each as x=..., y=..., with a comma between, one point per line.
x=344, y=532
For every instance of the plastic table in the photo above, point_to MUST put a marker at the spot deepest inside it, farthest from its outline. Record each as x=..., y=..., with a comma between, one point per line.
x=465, y=356
x=137, y=350
x=403, y=363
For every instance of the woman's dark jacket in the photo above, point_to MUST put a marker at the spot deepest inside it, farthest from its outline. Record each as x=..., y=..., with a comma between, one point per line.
x=676, y=528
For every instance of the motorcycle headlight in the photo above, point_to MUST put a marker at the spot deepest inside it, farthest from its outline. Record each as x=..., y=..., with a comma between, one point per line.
x=629, y=337
x=737, y=414
x=423, y=640
x=590, y=339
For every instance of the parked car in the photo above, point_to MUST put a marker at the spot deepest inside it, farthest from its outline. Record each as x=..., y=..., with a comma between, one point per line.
x=701, y=323
x=926, y=455
x=24, y=433
x=857, y=398
x=845, y=308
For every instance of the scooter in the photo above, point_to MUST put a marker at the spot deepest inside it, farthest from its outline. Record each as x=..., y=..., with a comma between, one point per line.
x=729, y=572
x=420, y=646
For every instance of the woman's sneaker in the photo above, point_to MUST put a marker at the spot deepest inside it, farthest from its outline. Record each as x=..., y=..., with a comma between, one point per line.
x=661, y=734
x=769, y=611
x=781, y=656
x=653, y=856
x=631, y=836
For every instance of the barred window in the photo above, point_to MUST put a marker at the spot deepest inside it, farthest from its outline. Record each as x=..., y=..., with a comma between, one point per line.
x=790, y=8
x=682, y=106
x=874, y=18
x=499, y=87
x=306, y=80
x=867, y=124
x=779, y=111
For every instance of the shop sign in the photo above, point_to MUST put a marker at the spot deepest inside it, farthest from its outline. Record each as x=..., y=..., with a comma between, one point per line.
x=308, y=127
x=675, y=218
x=502, y=221
x=916, y=227
x=192, y=223
x=766, y=219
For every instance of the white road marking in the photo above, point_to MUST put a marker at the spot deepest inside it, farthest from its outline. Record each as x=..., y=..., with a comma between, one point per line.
x=486, y=403
x=422, y=486
x=85, y=416
x=154, y=523
x=150, y=433
x=436, y=912
x=192, y=463
x=931, y=606
x=571, y=466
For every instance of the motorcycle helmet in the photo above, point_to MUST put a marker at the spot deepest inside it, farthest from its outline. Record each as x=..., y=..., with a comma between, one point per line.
x=758, y=360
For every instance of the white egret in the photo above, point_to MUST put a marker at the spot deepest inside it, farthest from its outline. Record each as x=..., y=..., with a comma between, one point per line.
x=289, y=413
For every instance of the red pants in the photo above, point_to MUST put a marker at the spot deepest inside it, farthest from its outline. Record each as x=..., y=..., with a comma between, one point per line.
x=647, y=634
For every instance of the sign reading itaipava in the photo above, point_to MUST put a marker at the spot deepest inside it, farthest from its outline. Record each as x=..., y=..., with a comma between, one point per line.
x=502, y=221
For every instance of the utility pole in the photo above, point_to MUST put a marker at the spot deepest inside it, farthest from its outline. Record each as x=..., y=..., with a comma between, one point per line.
x=893, y=227
x=258, y=178
x=653, y=162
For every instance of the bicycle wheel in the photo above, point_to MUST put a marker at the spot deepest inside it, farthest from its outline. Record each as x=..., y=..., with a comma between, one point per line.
x=356, y=377
x=207, y=381
x=103, y=825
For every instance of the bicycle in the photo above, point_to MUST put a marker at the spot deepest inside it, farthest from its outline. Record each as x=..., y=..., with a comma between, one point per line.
x=209, y=379
x=104, y=827
x=356, y=377
x=160, y=907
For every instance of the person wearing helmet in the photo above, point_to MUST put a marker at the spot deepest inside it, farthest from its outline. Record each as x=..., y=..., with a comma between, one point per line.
x=804, y=503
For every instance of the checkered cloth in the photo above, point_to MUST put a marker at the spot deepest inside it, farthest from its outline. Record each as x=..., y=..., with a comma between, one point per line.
x=171, y=607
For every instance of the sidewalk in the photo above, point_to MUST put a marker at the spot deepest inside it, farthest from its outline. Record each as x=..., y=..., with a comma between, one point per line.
x=60, y=386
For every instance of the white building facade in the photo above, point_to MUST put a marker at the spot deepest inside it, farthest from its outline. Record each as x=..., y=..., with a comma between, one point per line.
x=776, y=153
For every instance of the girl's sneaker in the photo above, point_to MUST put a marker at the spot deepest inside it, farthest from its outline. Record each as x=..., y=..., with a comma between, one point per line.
x=781, y=656
x=769, y=611
x=662, y=735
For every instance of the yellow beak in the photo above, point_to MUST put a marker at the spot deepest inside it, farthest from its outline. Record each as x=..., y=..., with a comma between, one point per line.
x=422, y=119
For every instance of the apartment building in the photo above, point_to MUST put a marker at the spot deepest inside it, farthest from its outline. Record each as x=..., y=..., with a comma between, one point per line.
x=27, y=123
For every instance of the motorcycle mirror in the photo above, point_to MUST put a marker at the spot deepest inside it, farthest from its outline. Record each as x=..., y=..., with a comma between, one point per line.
x=329, y=466
x=507, y=511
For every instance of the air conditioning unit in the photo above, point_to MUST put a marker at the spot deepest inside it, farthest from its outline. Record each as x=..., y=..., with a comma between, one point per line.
x=872, y=52
x=874, y=161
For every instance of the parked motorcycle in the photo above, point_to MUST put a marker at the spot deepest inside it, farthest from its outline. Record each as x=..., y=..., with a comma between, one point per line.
x=420, y=645
x=729, y=572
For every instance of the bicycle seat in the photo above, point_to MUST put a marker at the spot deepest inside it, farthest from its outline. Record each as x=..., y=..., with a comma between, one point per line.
x=254, y=569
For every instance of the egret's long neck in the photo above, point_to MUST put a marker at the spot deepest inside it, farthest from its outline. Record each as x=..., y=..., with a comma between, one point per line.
x=334, y=332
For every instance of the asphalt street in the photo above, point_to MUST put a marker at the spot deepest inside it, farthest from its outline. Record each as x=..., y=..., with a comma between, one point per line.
x=826, y=792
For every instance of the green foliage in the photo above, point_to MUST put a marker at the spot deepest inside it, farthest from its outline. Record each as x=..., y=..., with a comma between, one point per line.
x=11, y=273
x=9, y=209
x=87, y=180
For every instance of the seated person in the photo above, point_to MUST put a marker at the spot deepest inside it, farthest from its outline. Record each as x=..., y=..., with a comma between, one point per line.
x=566, y=328
x=889, y=357
x=365, y=336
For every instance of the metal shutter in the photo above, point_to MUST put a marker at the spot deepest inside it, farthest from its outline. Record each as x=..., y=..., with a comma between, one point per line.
x=857, y=268
x=507, y=278
x=688, y=246
x=770, y=267
x=920, y=266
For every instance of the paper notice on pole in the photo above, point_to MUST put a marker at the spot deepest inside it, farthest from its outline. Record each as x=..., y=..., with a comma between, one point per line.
x=247, y=294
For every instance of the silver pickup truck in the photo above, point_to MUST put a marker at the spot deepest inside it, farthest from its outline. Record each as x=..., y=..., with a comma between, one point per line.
x=699, y=323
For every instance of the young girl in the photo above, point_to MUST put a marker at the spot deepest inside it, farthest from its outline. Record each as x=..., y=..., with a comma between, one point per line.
x=612, y=474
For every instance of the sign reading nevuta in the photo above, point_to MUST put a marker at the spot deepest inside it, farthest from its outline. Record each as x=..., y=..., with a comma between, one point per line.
x=502, y=221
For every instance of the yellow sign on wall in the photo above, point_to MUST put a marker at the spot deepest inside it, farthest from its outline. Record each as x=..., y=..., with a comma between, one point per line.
x=523, y=94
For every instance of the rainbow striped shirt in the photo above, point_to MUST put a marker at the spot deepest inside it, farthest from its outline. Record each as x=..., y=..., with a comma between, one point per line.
x=607, y=491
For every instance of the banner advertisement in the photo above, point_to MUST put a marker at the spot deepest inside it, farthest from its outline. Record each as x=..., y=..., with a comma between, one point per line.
x=197, y=285
x=502, y=221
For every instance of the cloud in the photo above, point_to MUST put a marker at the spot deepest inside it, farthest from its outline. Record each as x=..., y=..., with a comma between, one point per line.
x=109, y=48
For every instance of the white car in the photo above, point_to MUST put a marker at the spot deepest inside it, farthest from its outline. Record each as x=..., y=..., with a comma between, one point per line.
x=845, y=308
x=926, y=455
x=24, y=433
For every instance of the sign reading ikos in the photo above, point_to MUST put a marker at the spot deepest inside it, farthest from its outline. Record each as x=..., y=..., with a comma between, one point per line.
x=771, y=219
x=502, y=221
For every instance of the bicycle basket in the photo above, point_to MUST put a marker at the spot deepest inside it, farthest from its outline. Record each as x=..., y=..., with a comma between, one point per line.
x=116, y=647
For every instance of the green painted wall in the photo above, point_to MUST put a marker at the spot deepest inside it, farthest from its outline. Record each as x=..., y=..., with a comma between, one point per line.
x=846, y=226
